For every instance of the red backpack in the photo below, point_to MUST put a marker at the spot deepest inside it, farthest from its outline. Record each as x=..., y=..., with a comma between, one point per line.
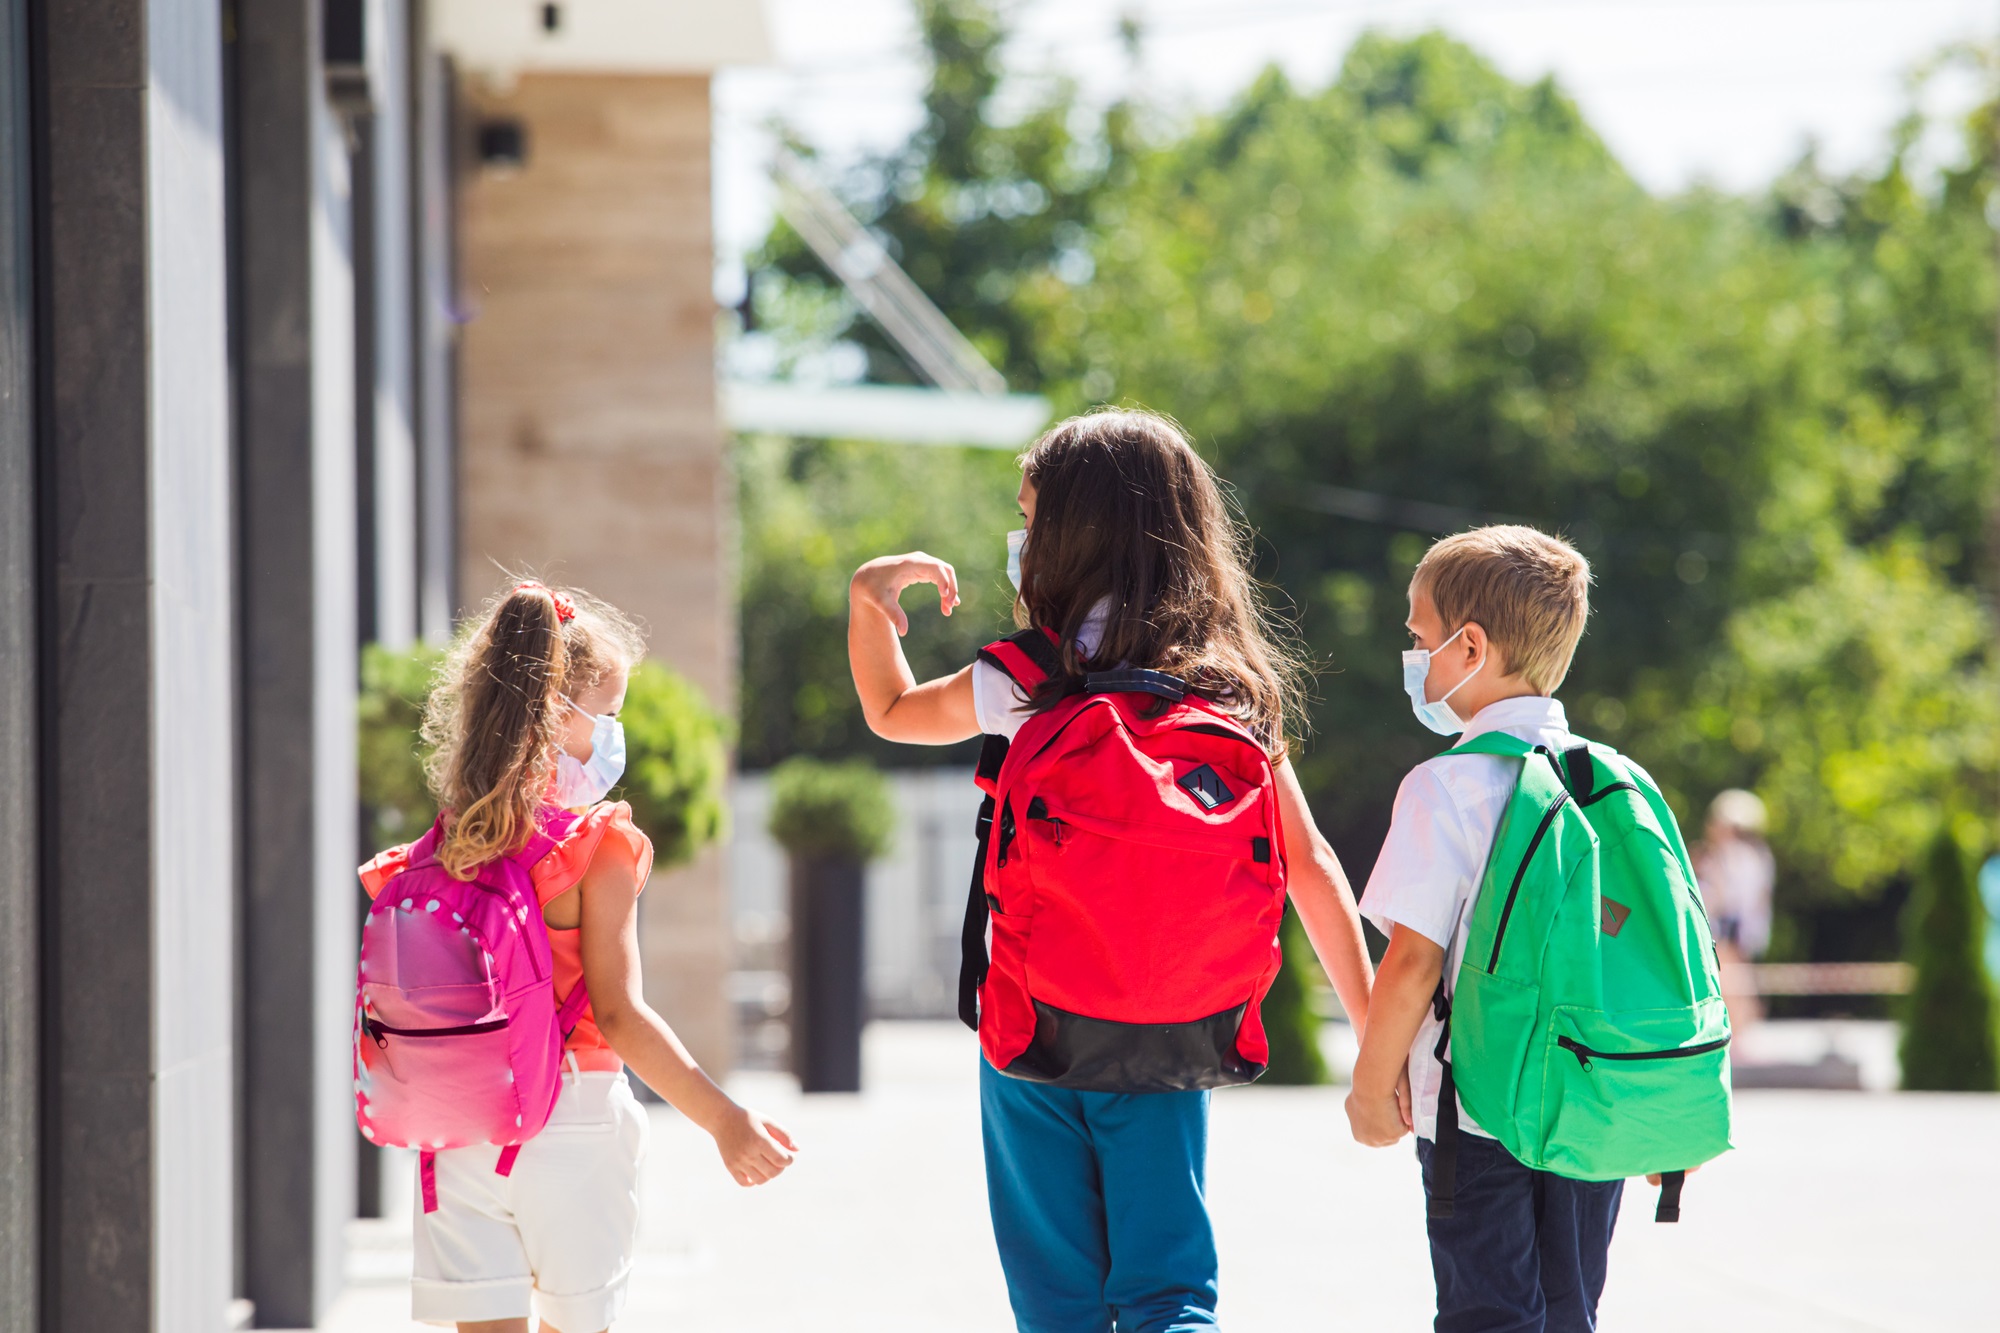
x=1131, y=878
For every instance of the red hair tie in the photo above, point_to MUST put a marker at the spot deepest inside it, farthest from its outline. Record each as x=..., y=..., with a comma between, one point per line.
x=565, y=608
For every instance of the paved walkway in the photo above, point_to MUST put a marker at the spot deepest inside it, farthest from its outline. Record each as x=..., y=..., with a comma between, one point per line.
x=1840, y=1213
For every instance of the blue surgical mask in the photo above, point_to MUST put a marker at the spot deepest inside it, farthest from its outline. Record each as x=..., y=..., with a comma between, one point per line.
x=1440, y=717
x=1015, y=541
x=579, y=784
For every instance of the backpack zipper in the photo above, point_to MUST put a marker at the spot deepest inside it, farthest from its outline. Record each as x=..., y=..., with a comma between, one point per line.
x=1584, y=1054
x=381, y=1031
x=1513, y=891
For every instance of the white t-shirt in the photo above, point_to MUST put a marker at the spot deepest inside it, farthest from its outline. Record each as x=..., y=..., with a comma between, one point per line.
x=1427, y=875
x=999, y=704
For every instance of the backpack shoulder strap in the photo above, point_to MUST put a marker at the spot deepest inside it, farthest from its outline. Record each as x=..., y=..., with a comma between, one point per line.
x=1027, y=658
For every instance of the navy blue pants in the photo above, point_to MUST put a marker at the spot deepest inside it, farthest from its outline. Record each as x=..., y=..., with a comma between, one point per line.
x=1524, y=1251
x=1099, y=1206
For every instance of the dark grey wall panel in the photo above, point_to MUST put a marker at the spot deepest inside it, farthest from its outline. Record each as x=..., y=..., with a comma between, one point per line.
x=295, y=415
x=19, y=835
x=96, y=783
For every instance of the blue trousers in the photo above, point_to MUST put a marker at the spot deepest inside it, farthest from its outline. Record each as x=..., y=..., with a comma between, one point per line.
x=1099, y=1206
x=1524, y=1251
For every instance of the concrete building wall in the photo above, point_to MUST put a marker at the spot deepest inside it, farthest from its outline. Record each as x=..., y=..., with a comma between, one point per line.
x=390, y=401
x=193, y=667
x=589, y=439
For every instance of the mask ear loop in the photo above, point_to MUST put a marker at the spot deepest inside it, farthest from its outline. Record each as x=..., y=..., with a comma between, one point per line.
x=1468, y=675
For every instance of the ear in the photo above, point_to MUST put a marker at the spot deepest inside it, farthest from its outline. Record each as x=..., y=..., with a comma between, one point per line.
x=1474, y=644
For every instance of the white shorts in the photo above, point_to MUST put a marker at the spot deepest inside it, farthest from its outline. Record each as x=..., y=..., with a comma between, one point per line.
x=558, y=1232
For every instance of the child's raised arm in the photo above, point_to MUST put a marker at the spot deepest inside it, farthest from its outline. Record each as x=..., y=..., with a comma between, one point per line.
x=937, y=712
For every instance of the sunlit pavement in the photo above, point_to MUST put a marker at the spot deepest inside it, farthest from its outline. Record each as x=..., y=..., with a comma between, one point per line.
x=1839, y=1212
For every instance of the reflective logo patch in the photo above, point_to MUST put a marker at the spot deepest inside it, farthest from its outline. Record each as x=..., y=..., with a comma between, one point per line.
x=1203, y=784
x=1614, y=916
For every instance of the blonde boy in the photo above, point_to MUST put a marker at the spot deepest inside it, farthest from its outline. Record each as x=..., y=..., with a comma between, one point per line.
x=1495, y=615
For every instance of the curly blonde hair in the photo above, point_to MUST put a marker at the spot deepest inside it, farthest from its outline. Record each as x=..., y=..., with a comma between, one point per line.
x=494, y=722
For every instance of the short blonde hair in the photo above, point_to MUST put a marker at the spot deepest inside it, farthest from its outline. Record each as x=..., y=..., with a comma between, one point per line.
x=1529, y=591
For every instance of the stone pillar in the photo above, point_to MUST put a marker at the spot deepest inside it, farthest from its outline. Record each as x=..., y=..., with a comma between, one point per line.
x=590, y=445
x=295, y=325
x=138, y=734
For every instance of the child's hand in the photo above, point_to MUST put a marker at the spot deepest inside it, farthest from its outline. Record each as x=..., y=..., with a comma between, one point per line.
x=880, y=584
x=1379, y=1119
x=753, y=1147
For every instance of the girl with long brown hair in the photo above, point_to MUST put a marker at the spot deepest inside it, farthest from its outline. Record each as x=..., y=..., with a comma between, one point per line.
x=524, y=735
x=1130, y=562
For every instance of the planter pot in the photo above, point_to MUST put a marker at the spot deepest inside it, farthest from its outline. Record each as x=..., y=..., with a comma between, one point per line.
x=828, y=998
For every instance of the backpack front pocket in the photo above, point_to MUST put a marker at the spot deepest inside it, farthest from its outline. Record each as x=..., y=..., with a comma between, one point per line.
x=438, y=1087
x=1492, y=1025
x=1635, y=1092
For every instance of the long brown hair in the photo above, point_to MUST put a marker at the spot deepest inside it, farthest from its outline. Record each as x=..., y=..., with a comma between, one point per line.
x=496, y=716
x=1128, y=514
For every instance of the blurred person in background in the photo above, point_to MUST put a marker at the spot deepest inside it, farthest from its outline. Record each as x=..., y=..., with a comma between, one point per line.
x=1736, y=870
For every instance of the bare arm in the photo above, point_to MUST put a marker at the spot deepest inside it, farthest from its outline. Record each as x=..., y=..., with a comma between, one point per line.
x=753, y=1149
x=1325, y=902
x=937, y=712
x=1378, y=1108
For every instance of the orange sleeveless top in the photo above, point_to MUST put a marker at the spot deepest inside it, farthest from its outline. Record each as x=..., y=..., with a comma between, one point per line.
x=605, y=829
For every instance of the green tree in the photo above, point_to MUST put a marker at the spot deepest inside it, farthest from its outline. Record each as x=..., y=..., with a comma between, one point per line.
x=811, y=512
x=977, y=208
x=1949, y=1036
x=1427, y=296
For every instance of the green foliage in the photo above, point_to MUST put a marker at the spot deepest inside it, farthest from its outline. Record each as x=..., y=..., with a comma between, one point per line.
x=1290, y=1021
x=978, y=210
x=676, y=764
x=811, y=513
x=1427, y=296
x=394, y=795
x=1949, y=1037
x=1431, y=284
x=837, y=812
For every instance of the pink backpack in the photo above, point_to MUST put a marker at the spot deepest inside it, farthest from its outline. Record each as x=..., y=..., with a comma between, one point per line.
x=457, y=1037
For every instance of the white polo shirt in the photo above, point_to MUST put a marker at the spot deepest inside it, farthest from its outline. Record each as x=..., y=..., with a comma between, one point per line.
x=1428, y=873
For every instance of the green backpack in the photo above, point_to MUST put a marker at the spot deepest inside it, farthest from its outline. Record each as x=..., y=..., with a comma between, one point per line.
x=1586, y=1024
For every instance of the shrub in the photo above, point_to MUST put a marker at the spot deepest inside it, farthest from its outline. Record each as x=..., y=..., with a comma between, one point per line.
x=1290, y=1021
x=1948, y=1021
x=676, y=763
x=395, y=798
x=822, y=811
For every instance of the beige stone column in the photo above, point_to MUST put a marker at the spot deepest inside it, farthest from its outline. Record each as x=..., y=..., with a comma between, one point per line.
x=591, y=449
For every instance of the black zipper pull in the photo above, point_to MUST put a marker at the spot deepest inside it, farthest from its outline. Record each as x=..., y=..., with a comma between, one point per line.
x=374, y=1029
x=1582, y=1056
x=1006, y=830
